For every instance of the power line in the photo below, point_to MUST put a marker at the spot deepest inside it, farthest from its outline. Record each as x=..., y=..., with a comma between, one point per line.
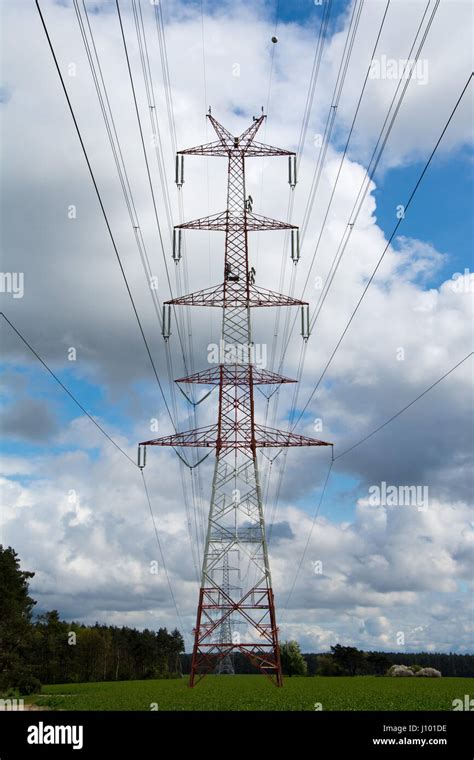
x=161, y=551
x=313, y=521
x=299, y=153
x=383, y=253
x=277, y=11
x=344, y=239
x=109, y=437
x=182, y=458
x=142, y=140
x=161, y=34
x=172, y=126
x=361, y=95
x=121, y=166
x=183, y=321
x=394, y=416
x=338, y=88
x=369, y=173
x=115, y=145
x=66, y=390
x=104, y=213
x=204, y=74
x=108, y=224
x=111, y=129
x=160, y=30
x=340, y=80
x=301, y=141
x=206, y=103
x=331, y=117
x=387, y=422
x=209, y=257
x=313, y=79
x=371, y=278
x=147, y=165
x=144, y=58
x=285, y=451
x=149, y=88
x=341, y=76
x=159, y=23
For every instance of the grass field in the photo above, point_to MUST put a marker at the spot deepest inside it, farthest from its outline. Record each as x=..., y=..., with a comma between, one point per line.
x=257, y=693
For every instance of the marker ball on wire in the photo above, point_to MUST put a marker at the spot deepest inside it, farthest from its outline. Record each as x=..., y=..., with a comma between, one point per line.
x=274, y=39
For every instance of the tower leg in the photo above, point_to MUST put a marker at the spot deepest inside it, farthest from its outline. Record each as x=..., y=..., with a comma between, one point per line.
x=236, y=524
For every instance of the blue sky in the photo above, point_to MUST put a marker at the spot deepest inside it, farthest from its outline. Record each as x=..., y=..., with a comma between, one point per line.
x=440, y=212
x=74, y=295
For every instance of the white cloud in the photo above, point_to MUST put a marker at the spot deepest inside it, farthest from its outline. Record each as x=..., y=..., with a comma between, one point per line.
x=383, y=571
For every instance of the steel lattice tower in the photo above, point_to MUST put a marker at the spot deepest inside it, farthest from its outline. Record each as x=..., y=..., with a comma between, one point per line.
x=236, y=526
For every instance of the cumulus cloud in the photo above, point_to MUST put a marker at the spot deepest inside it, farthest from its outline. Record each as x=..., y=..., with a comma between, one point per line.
x=379, y=575
x=76, y=512
x=28, y=419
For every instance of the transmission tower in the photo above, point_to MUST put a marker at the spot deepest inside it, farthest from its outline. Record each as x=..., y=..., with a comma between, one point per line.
x=236, y=526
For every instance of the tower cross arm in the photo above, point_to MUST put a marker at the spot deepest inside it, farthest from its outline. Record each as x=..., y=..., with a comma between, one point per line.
x=236, y=522
x=227, y=143
x=204, y=436
x=247, y=137
x=225, y=137
x=236, y=436
x=215, y=148
x=260, y=149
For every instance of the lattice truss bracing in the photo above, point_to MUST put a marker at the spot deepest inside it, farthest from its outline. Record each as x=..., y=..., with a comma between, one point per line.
x=234, y=614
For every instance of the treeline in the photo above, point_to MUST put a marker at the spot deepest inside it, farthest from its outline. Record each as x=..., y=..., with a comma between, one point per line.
x=50, y=650
x=242, y=665
x=61, y=652
x=350, y=661
x=459, y=665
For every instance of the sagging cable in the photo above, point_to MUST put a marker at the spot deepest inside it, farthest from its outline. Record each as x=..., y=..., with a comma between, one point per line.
x=191, y=466
x=267, y=395
x=195, y=403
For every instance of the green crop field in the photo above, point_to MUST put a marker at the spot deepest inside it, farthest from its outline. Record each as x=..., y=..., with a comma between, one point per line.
x=257, y=693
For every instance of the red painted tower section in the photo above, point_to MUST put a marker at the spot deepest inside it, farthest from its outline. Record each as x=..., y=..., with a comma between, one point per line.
x=236, y=610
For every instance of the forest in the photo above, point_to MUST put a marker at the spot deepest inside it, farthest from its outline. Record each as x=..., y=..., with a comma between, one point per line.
x=44, y=649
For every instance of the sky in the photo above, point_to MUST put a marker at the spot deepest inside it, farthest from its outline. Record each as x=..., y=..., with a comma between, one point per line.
x=386, y=576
